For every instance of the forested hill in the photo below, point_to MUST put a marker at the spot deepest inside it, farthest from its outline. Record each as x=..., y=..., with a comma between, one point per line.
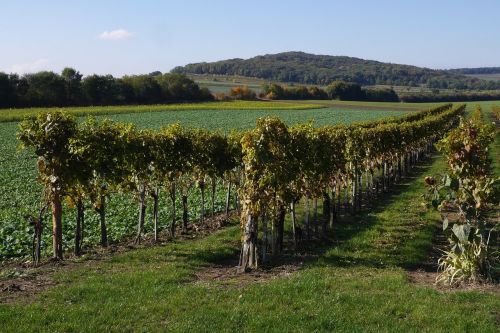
x=478, y=70
x=307, y=68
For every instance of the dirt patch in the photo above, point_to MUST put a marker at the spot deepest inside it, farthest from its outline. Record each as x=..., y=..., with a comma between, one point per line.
x=426, y=279
x=224, y=274
x=20, y=281
x=25, y=287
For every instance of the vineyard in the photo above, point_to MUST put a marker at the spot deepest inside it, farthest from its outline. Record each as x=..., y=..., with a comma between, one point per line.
x=271, y=167
x=20, y=194
x=333, y=172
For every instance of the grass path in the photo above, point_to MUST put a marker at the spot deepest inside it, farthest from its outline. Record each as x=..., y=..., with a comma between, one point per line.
x=358, y=284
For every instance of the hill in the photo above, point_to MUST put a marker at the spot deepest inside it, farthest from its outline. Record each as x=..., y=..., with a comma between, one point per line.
x=300, y=67
x=477, y=70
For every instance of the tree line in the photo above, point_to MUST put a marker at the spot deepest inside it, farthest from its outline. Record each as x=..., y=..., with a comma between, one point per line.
x=270, y=168
x=70, y=88
x=339, y=90
x=455, y=96
x=478, y=70
x=348, y=91
x=300, y=67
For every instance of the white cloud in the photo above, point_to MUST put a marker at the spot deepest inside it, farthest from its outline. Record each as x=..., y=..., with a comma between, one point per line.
x=118, y=34
x=29, y=67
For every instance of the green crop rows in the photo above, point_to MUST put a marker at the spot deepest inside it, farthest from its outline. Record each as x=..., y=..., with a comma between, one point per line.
x=19, y=114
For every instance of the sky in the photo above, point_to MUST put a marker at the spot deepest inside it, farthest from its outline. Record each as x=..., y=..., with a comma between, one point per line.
x=134, y=37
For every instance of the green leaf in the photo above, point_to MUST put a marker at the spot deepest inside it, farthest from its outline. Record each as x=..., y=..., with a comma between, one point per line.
x=462, y=232
x=445, y=223
x=447, y=180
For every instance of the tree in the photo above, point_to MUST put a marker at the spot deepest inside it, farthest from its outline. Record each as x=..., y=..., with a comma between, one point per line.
x=344, y=91
x=45, y=89
x=73, y=85
x=100, y=90
x=7, y=93
x=145, y=89
x=242, y=93
x=178, y=87
x=273, y=91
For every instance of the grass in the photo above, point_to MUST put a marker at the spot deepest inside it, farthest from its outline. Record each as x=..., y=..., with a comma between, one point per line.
x=358, y=284
x=18, y=114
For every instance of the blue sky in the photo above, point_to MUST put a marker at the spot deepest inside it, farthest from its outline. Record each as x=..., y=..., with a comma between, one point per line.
x=130, y=37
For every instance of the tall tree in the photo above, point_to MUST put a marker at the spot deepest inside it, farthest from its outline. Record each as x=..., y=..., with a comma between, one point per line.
x=73, y=85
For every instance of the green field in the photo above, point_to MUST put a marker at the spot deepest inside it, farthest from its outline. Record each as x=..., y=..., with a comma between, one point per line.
x=18, y=114
x=224, y=83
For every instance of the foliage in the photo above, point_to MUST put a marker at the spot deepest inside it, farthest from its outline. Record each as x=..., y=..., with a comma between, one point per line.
x=470, y=191
x=479, y=70
x=243, y=93
x=49, y=136
x=344, y=91
x=496, y=113
x=338, y=90
x=300, y=67
x=452, y=96
x=120, y=208
x=49, y=89
x=362, y=262
x=20, y=195
x=282, y=164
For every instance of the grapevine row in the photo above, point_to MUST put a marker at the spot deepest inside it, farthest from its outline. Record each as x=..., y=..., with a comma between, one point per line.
x=271, y=167
x=283, y=165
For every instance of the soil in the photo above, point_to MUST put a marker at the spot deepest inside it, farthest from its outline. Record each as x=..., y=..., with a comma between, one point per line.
x=224, y=274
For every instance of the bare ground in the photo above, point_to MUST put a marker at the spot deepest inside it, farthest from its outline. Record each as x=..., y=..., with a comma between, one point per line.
x=224, y=274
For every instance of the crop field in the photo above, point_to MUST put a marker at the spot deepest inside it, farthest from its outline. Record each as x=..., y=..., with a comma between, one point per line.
x=225, y=87
x=224, y=83
x=19, y=194
x=18, y=114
